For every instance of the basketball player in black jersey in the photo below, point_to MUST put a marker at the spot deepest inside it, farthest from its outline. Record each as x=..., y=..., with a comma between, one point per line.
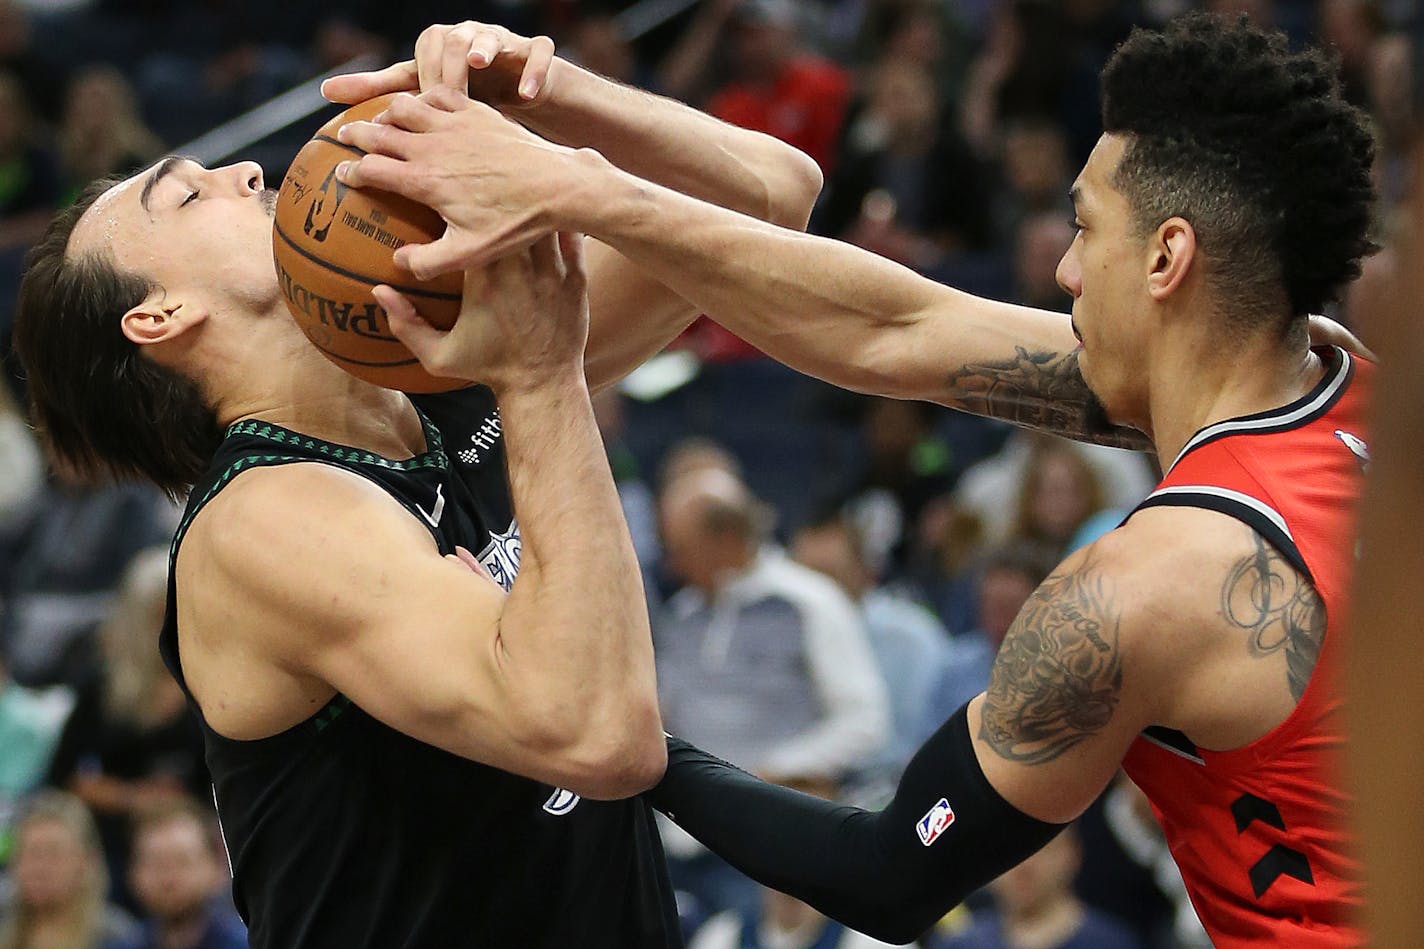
x=422, y=687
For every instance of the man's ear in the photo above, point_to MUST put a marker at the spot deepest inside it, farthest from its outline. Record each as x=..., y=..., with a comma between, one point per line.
x=160, y=318
x=1174, y=250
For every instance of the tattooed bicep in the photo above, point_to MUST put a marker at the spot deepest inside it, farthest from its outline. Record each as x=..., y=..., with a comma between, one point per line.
x=1278, y=610
x=1041, y=390
x=1058, y=676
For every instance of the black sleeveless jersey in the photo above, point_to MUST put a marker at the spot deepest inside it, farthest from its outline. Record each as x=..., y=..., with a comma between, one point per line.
x=343, y=832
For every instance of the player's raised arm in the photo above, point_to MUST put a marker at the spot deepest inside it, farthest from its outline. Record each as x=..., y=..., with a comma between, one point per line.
x=632, y=315
x=554, y=681
x=824, y=307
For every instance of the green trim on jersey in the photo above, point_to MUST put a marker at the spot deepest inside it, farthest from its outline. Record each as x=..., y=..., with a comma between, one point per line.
x=433, y=457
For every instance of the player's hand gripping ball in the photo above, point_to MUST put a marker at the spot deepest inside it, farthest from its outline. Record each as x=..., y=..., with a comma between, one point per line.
x=332, y=244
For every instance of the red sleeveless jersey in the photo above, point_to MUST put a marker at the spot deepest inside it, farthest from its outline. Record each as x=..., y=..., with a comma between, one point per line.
x=1259, y=831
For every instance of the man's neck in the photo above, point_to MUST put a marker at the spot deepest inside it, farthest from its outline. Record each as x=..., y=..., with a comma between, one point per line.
x=1202, y=377
x=279, y=377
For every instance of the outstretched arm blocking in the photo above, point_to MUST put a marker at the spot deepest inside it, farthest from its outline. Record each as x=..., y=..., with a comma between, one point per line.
x=890, y=874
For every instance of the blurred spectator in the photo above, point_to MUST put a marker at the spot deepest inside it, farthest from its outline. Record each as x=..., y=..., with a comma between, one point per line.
x=41, y=77
x=1376, y=68
x=596, y=42
x=1353, y=29
x=1004, y=582
x=340, y=39
x=1042, y=239
x=1134, y=828
x=1033, y=156
x=1060, y=490
x=948, y=538
x=904, y=465
x=60, y=882
x=760, y=660
x=60, y=568
x=906, y=186
x=30, y=723
x=921, y=34
x=29, y=187
x=639, y=505
x=910, y=645
x=781, y=921
x=776, y=86
x=1036, y=906
x=21, y=466
x=1032, y=69
x=179, y=875
x=131, y=742
x=696, y=454
x=102, y=133
x=991, y=488
x=215, y=60
x=780, y=88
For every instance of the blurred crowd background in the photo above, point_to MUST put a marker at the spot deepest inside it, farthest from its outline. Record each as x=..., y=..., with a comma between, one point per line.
x=829, y=574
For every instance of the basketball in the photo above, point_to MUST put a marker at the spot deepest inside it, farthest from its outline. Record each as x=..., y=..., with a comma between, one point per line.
x=332, y=244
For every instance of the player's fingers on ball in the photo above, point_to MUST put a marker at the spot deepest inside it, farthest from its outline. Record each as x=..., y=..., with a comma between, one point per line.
x=376, y=137
x=544, y=254
x=414, y=112
x=536, y=68
x=429, y=47
x=454, y=64
x=571, y=251
x=427, y=261
x=484, y=48
x=406, y=323
x=378, y=171
x=445, y=99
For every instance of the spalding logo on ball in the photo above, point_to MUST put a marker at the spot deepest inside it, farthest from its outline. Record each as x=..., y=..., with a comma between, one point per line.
x=332, y=244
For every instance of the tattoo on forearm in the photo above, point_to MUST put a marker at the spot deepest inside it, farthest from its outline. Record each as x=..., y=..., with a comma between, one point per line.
x=1279, y=610
x=1058, y=675
x=1040, y=390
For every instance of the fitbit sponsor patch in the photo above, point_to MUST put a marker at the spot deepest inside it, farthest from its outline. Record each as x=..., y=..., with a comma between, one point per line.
x=936, y=822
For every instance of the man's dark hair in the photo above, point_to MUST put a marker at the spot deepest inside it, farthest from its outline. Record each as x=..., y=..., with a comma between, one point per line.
x=1255, y=146
x=1030, y=559
x=103, y=410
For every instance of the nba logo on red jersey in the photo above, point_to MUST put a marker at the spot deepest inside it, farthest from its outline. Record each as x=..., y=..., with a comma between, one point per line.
x=934, y=823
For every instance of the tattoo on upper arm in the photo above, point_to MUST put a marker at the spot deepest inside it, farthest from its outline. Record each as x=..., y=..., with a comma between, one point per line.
x=1040, y=390
x=1279, y=609
x=1058, y=675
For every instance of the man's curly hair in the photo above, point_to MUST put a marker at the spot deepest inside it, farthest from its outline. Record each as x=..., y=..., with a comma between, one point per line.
x=1253, y=144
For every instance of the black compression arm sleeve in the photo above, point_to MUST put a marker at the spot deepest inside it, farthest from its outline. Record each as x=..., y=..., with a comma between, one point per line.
x=890, y=874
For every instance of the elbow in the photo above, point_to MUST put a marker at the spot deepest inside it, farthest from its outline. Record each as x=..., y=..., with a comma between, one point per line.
x=902, y=923
x=615, y=756
x=793, y=189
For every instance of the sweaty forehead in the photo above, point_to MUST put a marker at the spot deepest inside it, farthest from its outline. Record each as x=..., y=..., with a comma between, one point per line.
x=106, y=220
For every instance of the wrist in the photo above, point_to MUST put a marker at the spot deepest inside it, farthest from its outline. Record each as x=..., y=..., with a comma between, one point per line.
x=539, y=384
x=575, y=206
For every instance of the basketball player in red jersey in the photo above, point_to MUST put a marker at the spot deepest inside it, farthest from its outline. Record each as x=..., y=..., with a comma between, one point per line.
x=1197, y=644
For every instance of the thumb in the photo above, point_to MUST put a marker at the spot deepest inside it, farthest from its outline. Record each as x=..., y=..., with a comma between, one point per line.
x=351, y=88
x=408, y=326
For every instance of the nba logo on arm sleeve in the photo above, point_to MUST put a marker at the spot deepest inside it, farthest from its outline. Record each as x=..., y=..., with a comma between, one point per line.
x=936, y=822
